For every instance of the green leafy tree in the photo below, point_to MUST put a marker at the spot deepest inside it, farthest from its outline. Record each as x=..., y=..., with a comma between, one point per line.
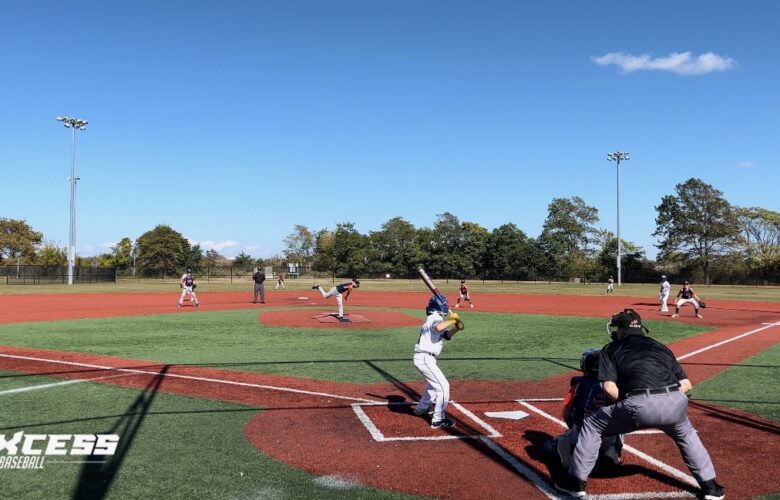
x=567, y=234
x=474, y=250
x=121, y=254
x=634, y=264
x=511, y=254
x=162, y=252
x=212, y=259
x=52, y=255
x=243, y=261
x=350, y=250
x=446, y=255
x=760, y=241
x=300, y=245
x=395, y=248
x=193, y=258
x=324, y=260
x=17, y=242
x=699, y=221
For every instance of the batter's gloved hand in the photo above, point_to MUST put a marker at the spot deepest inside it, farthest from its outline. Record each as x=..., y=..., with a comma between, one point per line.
x=453, y=316
x=459, y=325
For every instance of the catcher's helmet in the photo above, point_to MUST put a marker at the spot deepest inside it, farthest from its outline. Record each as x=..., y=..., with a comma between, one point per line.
x=589, y=364
x=625, y=322
x=437, y=304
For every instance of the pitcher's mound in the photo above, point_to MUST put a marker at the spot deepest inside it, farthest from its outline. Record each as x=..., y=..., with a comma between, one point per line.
x=334, y=318
x=307, y=318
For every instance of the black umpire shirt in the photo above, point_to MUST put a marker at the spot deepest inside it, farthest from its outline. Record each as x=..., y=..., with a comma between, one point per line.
x=639, y=362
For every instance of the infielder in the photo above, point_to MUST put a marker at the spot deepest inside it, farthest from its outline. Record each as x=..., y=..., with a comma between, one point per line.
x=686, y=295
x=666, y=288
x=610, y=285
x=188, y=285
x=463, y=293
x=433, y=333
x=341, y=292
x=280, y=282
x=649, y=385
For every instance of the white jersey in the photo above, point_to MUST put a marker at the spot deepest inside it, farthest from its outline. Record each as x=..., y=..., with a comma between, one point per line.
x=430, y=340
x=665, y=287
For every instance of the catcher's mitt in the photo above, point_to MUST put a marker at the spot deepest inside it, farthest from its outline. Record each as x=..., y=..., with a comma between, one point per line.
x=702, y=304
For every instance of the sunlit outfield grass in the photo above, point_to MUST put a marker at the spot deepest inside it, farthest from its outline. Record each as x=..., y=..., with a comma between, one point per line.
x=751, y=385
x=170, y=446
x=494, y=346
x=125, y=285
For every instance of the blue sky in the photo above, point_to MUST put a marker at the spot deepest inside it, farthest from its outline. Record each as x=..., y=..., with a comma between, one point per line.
x=232, y=121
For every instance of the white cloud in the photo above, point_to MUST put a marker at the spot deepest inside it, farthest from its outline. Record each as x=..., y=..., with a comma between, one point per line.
x=682, y=63
x=745, y=164
x=219, y=246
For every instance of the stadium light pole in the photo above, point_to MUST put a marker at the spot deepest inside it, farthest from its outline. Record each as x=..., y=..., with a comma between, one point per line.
x=617, y=157
x=73, y=124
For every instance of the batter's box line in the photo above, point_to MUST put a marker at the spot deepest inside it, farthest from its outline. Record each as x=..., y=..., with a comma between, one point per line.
x=527, y=403
x=377, y=435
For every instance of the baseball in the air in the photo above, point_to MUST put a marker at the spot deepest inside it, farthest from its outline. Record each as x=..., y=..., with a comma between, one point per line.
x=387, y=275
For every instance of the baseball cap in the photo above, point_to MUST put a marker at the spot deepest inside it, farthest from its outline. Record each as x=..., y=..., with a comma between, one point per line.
x=663, y=276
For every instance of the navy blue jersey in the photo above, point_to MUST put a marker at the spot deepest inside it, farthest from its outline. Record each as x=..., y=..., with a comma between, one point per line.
x=189, y=279
x=588, y=396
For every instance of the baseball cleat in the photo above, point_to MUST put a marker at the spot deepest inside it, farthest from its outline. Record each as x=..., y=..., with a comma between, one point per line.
x=675, y=315
x=472, y=305
x=443, y=424
x=712, y=490
x=699, y=316
x=571, y=485
x=178, y=305
x=315, y=286
x=457, y=306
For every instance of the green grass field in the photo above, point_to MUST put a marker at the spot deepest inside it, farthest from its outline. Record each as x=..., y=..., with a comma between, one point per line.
x=184, y=447
x=495, y=346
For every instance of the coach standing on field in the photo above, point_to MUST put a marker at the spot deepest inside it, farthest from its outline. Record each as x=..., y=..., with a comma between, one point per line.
x=259, y=279
x=649, y=385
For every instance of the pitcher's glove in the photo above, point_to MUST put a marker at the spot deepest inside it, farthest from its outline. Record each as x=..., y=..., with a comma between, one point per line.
x=194, y=286
x=702, y=304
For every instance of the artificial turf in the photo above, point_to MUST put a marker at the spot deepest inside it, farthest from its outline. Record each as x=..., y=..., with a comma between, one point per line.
x=493, y=346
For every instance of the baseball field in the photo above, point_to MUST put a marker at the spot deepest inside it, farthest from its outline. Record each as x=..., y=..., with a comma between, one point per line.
x=281, y=400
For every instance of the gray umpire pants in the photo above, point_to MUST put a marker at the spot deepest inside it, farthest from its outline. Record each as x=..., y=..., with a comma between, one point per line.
x=666, y=411
x=259, y=288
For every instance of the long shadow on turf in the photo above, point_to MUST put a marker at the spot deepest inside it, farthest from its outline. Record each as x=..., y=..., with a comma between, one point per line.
x=736, y=418
x=97, y=475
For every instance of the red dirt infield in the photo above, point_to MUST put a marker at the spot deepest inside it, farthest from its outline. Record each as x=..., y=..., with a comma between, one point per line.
x=314, y=426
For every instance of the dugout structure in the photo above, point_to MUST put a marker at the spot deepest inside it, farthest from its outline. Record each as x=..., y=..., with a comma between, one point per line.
x=52, y=275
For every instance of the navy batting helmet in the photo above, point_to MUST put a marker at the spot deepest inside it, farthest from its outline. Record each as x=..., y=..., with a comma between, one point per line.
x=437, y=304
x=589, y=364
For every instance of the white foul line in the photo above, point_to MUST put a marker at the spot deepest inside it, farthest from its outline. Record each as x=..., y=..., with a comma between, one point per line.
x=56, y=384
x=732, y=339
x=190, y=377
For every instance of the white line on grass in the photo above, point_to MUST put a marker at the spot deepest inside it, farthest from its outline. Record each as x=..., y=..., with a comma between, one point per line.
x=57, y=384
x=188, y=377
x=732, y=339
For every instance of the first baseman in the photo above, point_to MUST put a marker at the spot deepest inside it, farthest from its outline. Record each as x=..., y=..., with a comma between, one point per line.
x=433, y=333
x=686, y=295
x=463, y=293
x=188, y=285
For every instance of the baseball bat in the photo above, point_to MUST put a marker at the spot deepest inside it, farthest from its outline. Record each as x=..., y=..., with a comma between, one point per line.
x=429, y=283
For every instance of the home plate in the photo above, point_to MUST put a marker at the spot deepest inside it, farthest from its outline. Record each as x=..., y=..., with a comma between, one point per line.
x=509, y=415
x=348, y=318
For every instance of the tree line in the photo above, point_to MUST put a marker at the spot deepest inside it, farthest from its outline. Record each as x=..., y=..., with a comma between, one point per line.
x=702, y=237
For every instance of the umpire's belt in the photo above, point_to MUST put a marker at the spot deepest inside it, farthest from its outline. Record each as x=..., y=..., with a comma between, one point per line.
x=650, y=392
x=425, y=352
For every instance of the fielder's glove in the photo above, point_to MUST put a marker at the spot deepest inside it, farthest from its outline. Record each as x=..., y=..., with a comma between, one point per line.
x=702, y=304
x=194, y=286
